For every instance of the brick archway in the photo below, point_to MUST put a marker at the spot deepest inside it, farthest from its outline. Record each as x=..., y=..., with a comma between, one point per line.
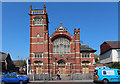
x=61, y=66
x=61, y=61
x=85, y=66
x=38, y=67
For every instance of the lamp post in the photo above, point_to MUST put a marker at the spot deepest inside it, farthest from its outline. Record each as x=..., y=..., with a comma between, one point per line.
x=70, y=70
x=55, y=64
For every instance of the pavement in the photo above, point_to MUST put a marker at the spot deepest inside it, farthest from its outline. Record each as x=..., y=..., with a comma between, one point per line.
x=61, y=83
x=65, y=81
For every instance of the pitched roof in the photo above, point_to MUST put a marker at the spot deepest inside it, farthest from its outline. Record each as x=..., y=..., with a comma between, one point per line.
x=85, y=48
x=3, y=56
x=19, y=63
x=113, y=44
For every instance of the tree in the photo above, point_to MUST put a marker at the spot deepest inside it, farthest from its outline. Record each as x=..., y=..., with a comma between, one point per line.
x=116, y=65
x=96, y=60
x=96, y=57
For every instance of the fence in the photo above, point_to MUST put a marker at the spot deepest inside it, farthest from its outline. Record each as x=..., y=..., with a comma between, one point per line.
x=35, y=77
x=88, y=76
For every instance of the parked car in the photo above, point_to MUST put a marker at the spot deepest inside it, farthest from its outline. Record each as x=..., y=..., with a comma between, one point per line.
x=106, y=75
x=23, y=72
x=14, y=78
x=19, y=75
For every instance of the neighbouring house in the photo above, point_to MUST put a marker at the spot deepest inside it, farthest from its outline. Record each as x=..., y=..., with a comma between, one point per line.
x=21, y=65
x=6, y=63
x=110, y=52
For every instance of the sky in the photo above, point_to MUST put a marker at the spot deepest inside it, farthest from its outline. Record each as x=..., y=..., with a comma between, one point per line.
x=98, y=22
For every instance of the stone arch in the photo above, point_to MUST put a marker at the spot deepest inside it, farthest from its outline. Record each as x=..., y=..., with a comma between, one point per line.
x=60, y=35
x=85, y=61
x=61, y=66
x=38, y=66
x=61, y=61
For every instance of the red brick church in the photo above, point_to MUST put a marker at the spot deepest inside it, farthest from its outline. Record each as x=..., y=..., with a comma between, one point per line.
x=61, y=51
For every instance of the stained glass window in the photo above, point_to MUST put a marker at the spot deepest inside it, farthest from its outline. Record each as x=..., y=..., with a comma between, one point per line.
x=61, y=45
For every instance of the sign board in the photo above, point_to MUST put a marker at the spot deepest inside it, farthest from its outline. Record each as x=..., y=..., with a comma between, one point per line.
x=108, y=72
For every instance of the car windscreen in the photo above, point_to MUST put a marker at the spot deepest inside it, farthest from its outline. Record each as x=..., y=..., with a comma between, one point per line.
x=118, y=72
x=19, y=75
x=95, y=72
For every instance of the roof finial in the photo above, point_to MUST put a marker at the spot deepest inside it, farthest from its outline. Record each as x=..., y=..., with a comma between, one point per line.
x=44, y=6
x=60, y=22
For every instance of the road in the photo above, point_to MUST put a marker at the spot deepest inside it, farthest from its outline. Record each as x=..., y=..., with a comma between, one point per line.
x=61, y=83
x=66, y=83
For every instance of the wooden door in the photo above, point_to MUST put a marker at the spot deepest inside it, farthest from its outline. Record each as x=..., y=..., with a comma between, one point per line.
x=85, y=70
x=38, y=70
x=62, y=70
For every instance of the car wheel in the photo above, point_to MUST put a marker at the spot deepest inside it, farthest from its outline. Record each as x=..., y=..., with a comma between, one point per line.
x=21, y=82
x=105, y=81
x=3, y=82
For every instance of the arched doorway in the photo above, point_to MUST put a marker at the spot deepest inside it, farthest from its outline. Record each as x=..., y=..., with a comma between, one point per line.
x=38, y=65
x=85, y=66
x=61, y=66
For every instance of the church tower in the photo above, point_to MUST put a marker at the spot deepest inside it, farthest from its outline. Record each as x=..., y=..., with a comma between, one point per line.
x=39, y=38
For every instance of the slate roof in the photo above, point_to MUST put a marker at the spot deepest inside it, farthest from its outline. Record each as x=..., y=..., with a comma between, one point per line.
x=113, y=44
x=85, y=48
x=3, y=56
x=19, y=63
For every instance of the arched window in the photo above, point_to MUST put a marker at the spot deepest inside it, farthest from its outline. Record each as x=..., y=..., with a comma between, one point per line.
x=38, y=55
x=38, y=21
x=61, y=45
x=38, y=36
x=88, y=55
x=85, y=55
x=82, y=55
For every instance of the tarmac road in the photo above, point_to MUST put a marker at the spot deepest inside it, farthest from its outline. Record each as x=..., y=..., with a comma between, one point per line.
x=65, y=82
x=61, y=83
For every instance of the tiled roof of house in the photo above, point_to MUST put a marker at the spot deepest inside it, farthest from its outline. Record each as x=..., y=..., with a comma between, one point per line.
x=113, y=44
x=3, y=56
x=7, y=59
x=19, y=63
x=85, y=48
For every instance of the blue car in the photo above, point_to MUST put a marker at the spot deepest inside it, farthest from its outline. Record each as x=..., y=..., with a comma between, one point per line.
x=14, y=78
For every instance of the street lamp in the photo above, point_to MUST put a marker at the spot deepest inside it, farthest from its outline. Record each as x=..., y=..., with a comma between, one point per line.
x=55, y=64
